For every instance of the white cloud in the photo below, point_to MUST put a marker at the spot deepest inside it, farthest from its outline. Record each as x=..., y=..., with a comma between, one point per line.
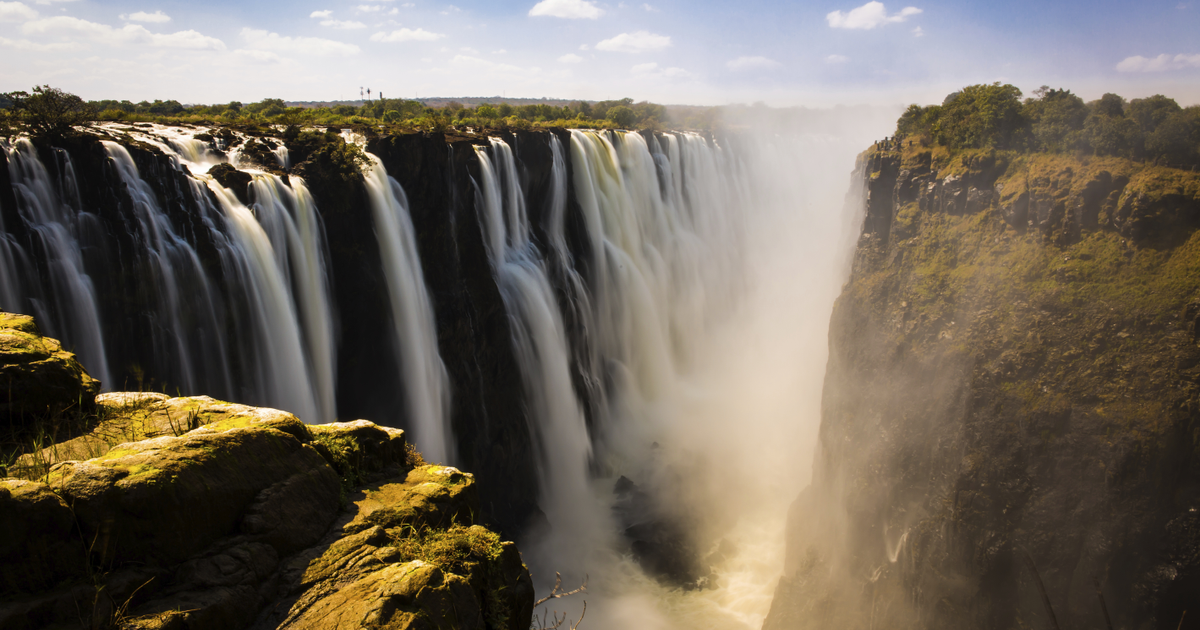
x=450, y=8
x=584, y=47
x=158, y=17
x=130, y=34
x=751, y=63
x=868, y=16
x=316, y=46
x=408, y=5
x=650, y=8
x=1161, y=63
x=636, y=42
x=370, y=8
x=651, y=70
x=468, y=50
x=569, y=9
x=407, y=35
x=343, y=24
x=25, y=44
x=918, y=32
x=320, y=14
x=570, y=58
x=263, y=56
x=53, y=1
x=16, y=12
x=836, y=59
x=500, y=52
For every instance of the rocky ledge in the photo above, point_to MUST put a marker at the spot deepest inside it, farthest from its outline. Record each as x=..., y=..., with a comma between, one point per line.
x=195, y=513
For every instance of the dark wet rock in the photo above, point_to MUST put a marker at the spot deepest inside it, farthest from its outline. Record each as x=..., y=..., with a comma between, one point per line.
x=233, y=179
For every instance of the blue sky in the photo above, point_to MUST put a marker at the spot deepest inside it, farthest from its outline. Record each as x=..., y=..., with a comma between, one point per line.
x=815, y=53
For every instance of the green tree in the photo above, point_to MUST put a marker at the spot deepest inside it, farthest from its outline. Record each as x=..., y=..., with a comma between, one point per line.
x=918, y=121
x=1150, y=112
x=622, y=115
x=486, y=111
x=1057, y=119
x=1176, y=138
x=981, y=116
x=50, y=111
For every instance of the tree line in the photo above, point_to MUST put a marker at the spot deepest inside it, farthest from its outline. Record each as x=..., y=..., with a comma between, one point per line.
x=1055, y=120
x=48, y=110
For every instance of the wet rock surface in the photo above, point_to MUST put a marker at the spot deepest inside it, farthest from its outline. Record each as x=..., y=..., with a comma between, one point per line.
x=1010, y=401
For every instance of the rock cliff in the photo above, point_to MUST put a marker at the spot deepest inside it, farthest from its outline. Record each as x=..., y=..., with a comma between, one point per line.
x=1010, y=415
x=195, y=513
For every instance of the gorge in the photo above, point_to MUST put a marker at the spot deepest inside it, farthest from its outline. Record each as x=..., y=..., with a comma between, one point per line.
x=533, y=307
x=973, y=366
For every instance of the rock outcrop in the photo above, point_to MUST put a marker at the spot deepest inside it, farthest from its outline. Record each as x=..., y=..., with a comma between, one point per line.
x=39, y=381
x=227, y=516
x=1011, y=402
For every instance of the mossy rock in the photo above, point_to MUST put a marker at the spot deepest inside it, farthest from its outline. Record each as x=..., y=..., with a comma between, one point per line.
x=39, y=381
x=431, y=496
x=164, y=499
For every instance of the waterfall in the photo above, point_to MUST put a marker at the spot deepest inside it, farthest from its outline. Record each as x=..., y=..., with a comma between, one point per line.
x=57, y=226
x=252, y=323
x=183, y=296
x=427, y=387
x=283, y=369
x=539, y=339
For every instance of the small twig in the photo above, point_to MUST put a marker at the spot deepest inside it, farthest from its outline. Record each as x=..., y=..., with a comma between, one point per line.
x=584, y=612
x=1180, y=626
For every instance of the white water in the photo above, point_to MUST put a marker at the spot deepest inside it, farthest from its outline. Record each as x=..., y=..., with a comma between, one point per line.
x=52, y=214
x=712, y=276
x=427, y=386
x=558, y=428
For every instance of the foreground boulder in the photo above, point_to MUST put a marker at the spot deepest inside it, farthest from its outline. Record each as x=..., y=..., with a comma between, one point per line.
x=39, y=381
x=252, y=518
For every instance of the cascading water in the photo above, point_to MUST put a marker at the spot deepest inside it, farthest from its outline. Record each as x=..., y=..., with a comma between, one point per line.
x=539, y=339
x=57, y=226
x=708, y=277
x=427, y=388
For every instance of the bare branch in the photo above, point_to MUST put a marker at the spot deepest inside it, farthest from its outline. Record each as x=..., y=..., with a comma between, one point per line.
x=557, y=592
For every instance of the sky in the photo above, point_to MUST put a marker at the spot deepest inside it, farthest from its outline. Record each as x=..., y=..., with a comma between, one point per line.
x=808, y=53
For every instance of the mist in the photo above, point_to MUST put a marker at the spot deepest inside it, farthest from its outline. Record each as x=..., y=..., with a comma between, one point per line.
x=720, y=444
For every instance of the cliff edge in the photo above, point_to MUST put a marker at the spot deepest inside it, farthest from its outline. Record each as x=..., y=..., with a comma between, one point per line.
x=1010, y=415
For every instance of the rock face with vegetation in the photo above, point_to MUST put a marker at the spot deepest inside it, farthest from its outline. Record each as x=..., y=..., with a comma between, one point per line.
x=195, y=513
x=39, y=380
x=1011, y=419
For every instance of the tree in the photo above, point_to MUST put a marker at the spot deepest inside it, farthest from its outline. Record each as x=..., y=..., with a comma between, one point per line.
x=1057, y=119
x=486, y=111
x=981, y=116
x=1150, y=112
x=50, y=111
x=623, y=115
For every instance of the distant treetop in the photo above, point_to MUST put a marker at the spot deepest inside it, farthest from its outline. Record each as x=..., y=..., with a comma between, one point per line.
x=1055, y=120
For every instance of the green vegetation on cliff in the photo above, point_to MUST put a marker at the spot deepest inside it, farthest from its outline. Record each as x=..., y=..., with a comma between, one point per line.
x=1055, y=120
x=1013, y=380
